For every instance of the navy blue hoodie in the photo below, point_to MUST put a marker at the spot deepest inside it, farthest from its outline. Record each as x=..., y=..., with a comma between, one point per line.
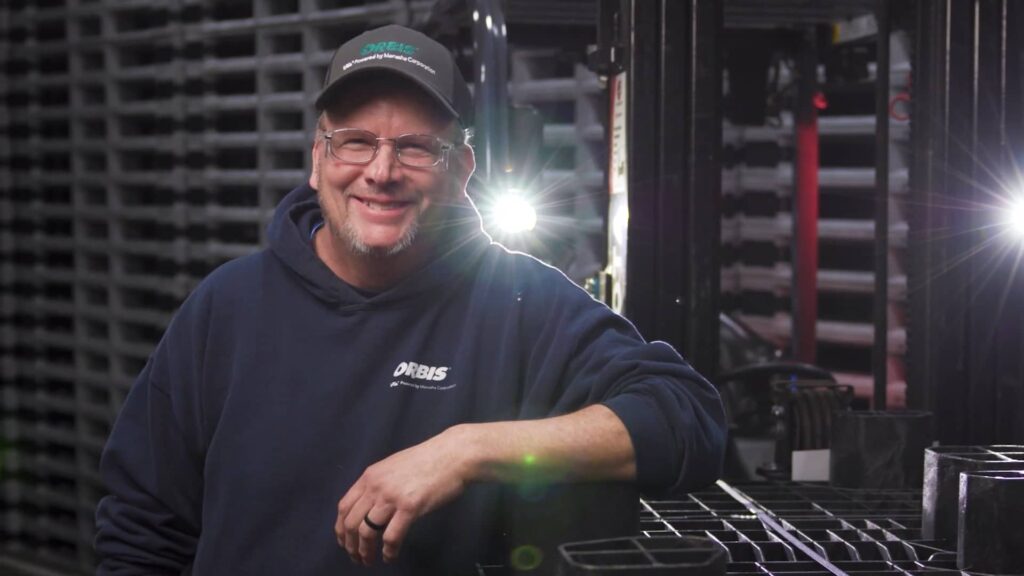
x=277, y=384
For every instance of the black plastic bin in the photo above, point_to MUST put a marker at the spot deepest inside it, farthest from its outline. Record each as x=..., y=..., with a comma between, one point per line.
x=942, y=468
x=991, y=522
x=879, y=450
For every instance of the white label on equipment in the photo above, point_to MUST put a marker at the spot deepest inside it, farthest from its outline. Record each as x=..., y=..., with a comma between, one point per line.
x=618, y=168
x=811, y=465
x=618, y=186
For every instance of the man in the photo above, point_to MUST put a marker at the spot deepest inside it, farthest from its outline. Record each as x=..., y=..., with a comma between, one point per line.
x=356, y=394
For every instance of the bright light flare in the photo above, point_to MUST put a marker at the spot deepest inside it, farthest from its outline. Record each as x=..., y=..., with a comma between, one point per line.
x=514, y=214
x=1015, y=218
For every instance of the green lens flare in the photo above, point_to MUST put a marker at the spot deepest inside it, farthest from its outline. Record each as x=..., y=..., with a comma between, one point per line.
x=526, y=557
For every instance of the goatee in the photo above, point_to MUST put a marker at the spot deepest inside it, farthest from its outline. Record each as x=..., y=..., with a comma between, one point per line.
x=348, y=234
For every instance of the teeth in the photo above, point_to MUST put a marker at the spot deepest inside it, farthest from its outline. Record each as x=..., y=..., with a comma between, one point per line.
x=383, y=205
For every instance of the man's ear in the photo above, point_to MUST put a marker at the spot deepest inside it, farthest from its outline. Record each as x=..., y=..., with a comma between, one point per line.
x=463, y=164
x=314, y=174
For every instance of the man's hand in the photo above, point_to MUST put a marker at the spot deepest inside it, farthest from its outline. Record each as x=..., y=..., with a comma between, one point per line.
x=398, y=490
x=589, y=444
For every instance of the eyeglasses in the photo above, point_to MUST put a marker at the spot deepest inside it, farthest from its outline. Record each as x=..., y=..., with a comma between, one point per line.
x=354, y=146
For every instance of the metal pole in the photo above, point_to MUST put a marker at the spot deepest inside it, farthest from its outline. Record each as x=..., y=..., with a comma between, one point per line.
x=1011, y=364
x=490, y=81
x=926, y=299
x=703, y=182
x=643, y=133
x=674, y=143
x=880, y=352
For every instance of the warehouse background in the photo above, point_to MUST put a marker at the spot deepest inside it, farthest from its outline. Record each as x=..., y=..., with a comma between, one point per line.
x=143, y=144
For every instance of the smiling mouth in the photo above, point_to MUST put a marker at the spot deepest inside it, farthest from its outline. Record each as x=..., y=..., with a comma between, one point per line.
x=382, y=206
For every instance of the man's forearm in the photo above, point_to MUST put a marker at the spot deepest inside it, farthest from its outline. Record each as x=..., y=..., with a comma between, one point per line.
x=589, y=444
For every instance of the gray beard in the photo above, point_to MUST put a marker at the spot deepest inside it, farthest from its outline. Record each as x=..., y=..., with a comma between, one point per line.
x=348, y=234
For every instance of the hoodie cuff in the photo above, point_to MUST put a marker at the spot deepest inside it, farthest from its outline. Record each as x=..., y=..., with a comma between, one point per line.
x=657, y=458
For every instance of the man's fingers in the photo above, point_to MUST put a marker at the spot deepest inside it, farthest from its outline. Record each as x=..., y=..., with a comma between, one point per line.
x=353, y=522
x=414, y=481
x=344, y=507
x=339, y=525
x=369, y=537
x=350, y=498
x=351, y=507
x=395, y=534
x=367, y=544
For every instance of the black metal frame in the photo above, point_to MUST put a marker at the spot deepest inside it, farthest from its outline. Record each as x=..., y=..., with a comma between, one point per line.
x=490, y=77
x=966, y=288
x=880, y=350
x=674, y=144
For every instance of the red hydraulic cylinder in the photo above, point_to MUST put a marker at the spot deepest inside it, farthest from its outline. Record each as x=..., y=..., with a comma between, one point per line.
x=805, y=243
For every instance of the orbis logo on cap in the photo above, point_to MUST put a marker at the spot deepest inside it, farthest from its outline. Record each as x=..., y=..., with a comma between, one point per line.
x=399, y=47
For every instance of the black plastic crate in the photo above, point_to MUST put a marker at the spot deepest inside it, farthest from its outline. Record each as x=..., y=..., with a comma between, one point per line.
x=654, y=556
x=793, y=528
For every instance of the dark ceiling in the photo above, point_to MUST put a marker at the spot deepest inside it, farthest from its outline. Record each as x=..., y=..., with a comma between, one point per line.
x=738, y=13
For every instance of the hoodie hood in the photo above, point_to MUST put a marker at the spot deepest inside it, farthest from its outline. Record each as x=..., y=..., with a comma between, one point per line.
x=289, y=237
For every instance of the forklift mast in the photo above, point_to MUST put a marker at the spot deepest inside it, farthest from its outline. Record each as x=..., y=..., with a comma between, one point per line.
x=662, y=63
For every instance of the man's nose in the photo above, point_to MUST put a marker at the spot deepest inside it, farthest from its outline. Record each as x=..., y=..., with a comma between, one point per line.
x=384, y=166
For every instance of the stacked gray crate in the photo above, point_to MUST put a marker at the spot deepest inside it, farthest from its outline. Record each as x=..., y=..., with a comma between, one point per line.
x=572, y=181
x=41, y=422
x=143, y=144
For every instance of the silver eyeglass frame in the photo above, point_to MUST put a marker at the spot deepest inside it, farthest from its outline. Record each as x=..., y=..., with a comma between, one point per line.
x=446, y=148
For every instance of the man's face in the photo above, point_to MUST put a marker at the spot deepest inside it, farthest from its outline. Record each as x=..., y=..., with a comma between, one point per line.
x=381, y=208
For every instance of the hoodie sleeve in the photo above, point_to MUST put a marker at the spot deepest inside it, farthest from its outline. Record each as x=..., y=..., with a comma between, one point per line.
x=152, y=464
x=676, y=422
x=585, y=354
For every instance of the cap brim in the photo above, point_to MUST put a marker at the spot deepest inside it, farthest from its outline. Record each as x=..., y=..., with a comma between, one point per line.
x=334, y=90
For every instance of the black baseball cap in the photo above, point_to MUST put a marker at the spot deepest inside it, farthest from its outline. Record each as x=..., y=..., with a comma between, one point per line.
x=409, y=54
